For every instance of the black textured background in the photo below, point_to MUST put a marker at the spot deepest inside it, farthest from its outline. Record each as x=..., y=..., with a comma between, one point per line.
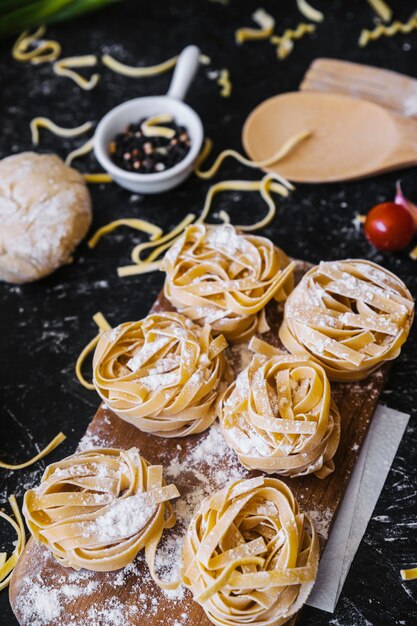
x=45, y=325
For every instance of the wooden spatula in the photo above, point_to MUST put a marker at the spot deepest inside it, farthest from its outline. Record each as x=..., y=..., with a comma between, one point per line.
x=390, y=89
x=350, y=138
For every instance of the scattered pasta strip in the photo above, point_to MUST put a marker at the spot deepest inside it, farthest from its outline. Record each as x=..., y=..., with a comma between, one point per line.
x=79, y=152
x=163, y=374
x=225, y=217
x=204, y=59
x=151, y=128
x=56, y=441
x=99, y=508
x=138, y=72
x=98, y=178
x=137, y=224
x=250, y=556
x=382, y=9
x=266, y=23
x=102, y=325
x=44, y=122
x=285, y=42
x=387, y=31
x=309, y=12
x=292, y=143
x=62, y=68
x=42, y=52
x=144, y=267
x=224, y=82
x=350, y=316
x=409, y=574
x=7, y=565
x=413, y=254
x=217, y=276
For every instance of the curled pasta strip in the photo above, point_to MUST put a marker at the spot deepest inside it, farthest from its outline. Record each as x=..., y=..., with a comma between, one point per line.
x=44, y=122
x=285, y=42
x=138, y=72
x=266, y=27
x=151, y=127
x=310, y=12
x=7, y=565
x=97, y=509
x=350, y=316
x=250, y=556
x=42, y=51
x=86, y=148
x=279, y=416
x=162, y=374
x=56, y=441
x=63, y=67
x=382, y=9
x=225, y=83
x=215, y=275
x=387, y=31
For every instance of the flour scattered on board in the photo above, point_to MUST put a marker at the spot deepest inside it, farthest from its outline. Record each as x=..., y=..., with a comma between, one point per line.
x=199, y=468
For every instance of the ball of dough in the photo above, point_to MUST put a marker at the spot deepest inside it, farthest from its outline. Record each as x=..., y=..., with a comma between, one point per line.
x=45, y=211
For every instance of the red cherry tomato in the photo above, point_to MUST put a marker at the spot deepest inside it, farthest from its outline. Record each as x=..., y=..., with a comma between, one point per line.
x=389, y=227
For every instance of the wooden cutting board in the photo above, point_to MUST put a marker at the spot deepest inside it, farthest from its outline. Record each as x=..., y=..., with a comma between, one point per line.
x=44, y=593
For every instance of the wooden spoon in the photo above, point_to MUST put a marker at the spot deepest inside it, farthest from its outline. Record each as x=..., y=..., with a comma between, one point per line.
x=350, y=138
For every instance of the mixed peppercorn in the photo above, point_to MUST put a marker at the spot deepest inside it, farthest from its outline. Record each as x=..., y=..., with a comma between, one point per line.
x=133, y=151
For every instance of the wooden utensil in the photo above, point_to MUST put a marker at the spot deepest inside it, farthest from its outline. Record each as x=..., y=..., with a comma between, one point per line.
x=136, y=598
x=350, y=138
x=390, y=89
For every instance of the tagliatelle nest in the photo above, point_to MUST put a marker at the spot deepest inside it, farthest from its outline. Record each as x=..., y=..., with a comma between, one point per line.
x=279, y=416
x=250, y=556
x=215, y=275
x=162, y=374
x=98, y=509
x=350, y=316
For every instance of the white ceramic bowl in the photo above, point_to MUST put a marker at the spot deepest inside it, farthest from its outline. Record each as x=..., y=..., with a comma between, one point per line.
x=116, y=120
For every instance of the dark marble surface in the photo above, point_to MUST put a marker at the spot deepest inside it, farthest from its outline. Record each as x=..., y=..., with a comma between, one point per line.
x=45, y=325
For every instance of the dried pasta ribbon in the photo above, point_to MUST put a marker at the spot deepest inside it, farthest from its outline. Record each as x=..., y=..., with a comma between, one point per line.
x=409, y=574
x=86, y=148
x=151, y=127
x=162, y=374
x=266, y=27
x=138, y=72
x=98, y=178
x=225, y=83
x=97, y=509
x=310, y=12
x=382, y=9
x=285, y=42
x=43, y=51
x=387, y=31
x=7, y=565
x=137, y=224
x=350, y=316
x=56, y=441
x=250, y=555
x=279, y=417
x=44, y=122
x=63, y=67
x=102, y=325
x=216, y=276
x=280, y=154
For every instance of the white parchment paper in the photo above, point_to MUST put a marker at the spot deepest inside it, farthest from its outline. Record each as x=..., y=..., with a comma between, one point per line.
x=366, y=483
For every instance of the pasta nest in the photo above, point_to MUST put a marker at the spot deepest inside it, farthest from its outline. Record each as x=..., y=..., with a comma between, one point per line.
x=97, y=509
x=250, y=556
x=279, y=416
x=162, y=374
x=215, y=275
x=350, y=316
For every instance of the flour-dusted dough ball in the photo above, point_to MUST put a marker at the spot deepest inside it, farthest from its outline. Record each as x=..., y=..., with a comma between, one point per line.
x=45, y=211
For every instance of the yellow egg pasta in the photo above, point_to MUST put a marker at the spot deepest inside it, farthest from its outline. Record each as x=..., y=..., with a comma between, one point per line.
x=279, y=417
x=97, y=509
x=163, y=374
x=350, y=316
x=250, y=556
x=217, y=276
